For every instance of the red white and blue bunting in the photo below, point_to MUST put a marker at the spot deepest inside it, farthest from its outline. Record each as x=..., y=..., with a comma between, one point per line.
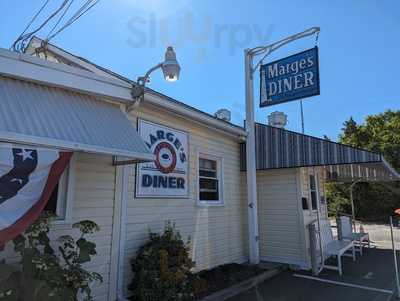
x=28, y=176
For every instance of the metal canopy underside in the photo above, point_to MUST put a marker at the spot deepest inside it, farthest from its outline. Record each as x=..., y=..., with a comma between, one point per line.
x=371, y=172
x=35, y=114
x=280, y=148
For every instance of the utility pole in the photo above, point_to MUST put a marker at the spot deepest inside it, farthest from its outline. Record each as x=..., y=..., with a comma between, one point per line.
x=302, y=116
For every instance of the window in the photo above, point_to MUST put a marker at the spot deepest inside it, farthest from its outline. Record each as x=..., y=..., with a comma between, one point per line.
x=304, y=203
x=210, y=185
x=313, y=192
x=60, y=199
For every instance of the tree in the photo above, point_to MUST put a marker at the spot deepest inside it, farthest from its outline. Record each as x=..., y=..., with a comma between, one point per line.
x=374, y=201
x=380, y=133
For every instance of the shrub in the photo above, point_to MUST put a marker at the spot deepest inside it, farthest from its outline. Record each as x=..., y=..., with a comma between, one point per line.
x=372, y=201
x=162, y=268
x=46, y=275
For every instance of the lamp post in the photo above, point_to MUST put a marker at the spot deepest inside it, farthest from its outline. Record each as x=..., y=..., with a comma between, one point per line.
x=170, y=68
x=250, y=68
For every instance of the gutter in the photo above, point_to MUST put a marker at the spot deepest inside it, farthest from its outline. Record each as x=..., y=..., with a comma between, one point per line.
x=193, y=115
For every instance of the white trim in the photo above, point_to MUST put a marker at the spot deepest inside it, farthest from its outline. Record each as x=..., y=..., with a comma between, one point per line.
x=121, y=255
x=67, y=145
x=302, y=226
x=117, y=240
x=194, y=115
x=30, y=68
x=66, y=195
x=220, y=173
x=36, y=42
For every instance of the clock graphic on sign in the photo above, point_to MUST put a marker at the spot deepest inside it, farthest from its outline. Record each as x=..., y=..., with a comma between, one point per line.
x=165, y=157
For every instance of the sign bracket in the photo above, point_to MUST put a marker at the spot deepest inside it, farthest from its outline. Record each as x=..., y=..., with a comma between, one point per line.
x=267, y=50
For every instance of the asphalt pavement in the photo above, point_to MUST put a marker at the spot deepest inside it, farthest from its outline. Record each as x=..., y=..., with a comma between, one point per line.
x=370, y=278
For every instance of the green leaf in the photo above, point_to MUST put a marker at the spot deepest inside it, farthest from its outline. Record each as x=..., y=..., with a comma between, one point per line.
x=19, y=243
x=86, y=248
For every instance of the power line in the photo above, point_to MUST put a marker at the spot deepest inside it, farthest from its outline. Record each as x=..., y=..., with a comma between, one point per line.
x=30, y=23
x=59, y=19
x=20, y=43
x=80, y=12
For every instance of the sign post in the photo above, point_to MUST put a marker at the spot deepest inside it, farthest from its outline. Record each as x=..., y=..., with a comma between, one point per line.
x=250, y=69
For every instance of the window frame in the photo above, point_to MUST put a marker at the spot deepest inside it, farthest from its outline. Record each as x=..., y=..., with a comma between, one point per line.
x=66, y=188
x=220, y=176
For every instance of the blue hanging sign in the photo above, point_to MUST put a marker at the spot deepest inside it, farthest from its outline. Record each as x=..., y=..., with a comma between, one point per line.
x=291, y=78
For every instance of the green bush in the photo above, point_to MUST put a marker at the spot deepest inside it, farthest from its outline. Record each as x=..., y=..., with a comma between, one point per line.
x=372, y=201
x=162, y=268
x=46, y=275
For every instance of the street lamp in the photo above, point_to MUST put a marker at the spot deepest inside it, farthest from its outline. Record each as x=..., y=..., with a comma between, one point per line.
x=250, y=69
x=170, y=68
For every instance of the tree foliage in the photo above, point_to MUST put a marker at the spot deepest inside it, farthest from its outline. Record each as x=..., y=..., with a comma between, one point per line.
x=373, y=201
x=380, y=133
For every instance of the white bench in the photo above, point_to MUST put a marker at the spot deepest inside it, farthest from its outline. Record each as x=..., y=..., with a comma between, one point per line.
x=332, y=247
x=346, y=230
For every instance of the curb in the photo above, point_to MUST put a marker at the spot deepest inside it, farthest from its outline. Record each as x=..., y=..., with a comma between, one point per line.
x=243, y=286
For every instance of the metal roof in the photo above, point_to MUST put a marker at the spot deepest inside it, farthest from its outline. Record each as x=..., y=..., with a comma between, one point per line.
x=36, y=114
x=167, y=102
x=280, y=148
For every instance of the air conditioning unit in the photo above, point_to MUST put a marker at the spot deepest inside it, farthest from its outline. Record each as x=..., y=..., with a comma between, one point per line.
x=223, y=114
x=277, y=119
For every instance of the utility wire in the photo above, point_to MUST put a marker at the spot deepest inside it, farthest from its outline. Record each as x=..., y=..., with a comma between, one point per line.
x=30, y=22
x=20, y=43
x=79, y=13
x=59, y=19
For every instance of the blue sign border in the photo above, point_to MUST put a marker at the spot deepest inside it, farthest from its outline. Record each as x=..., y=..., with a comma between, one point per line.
x=295, y=97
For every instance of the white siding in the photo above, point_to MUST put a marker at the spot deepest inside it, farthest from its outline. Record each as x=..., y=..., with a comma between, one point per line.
x=218, y=234
x=94, y=200
x=281, y=227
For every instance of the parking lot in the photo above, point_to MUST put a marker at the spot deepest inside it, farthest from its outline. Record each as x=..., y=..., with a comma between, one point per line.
x=370, y=278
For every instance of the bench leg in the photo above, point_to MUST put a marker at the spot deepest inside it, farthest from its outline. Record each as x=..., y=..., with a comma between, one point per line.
x=361, y=246
x=339, y=258
x=354, y=252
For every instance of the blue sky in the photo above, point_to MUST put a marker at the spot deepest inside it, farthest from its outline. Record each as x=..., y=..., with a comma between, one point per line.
x=359, y=48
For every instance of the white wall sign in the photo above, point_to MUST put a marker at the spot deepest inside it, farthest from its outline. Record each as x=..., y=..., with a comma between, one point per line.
x=167, y=176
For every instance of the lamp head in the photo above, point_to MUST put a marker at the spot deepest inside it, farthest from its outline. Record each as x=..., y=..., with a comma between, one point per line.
x=170, y=66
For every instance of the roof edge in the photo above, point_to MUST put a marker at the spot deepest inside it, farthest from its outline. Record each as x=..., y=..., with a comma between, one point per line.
x=34, y=69
x=153, y=96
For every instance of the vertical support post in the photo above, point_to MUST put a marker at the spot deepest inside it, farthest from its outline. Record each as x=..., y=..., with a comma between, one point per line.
x=254, y=252
x=396, y=268
x=339, y=227
x=321, y=247
x=302, y=116
x=353, y=214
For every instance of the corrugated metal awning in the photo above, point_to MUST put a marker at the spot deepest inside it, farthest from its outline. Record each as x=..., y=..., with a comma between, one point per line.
x=280, y=148
x=36, y=114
